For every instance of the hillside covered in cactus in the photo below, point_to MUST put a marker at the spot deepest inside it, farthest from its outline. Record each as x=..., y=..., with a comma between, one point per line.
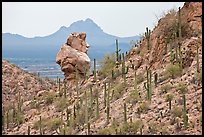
x=153, y=89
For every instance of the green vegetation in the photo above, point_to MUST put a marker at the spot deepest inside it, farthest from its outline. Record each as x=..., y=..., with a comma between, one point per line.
x=169, y=98
x=107, y=65
x=177, y=111
x=173, y=71
x=49, y=98
x=54, y=123
x=119, y=89
x=182, y=88
x=165, y=88
x=60, y=104
x=143, y=106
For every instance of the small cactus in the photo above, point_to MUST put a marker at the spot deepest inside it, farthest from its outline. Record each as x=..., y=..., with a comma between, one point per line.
x=68, y=112
x=77, y=78
x=92, y=98
x=117, y=54
x=59, y=84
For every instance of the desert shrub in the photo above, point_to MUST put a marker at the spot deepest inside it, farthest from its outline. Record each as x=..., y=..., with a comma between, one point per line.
x=143, y=106
x=153, y=127
x=165, y=88
x=118, y=90
x=133, y=97
x=54, y=123
x=198, y=76
x=173, y=70
x=177, y=111
x=140, y=78
x=169, y=97
x=19, y=117
x=61, y=104
x=49, y=98
x=36, y=125
x=132, y=128
x=106, y=131
x=107, y=64
x=182, y=88
x=65, y=130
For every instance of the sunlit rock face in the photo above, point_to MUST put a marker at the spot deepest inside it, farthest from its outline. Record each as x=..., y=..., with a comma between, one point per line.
x=72, y=57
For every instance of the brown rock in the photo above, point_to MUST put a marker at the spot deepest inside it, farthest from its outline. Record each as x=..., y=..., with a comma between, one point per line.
x=72, y=54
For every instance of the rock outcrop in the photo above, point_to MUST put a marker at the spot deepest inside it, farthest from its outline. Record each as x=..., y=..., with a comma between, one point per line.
x=73, y=57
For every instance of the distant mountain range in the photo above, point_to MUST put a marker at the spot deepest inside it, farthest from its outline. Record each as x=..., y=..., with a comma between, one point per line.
x=14, y=45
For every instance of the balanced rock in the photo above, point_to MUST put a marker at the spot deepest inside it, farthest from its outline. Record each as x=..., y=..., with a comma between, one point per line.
x=73, y=57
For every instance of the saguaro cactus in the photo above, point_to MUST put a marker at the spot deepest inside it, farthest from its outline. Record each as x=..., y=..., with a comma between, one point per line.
x=89, y=131
x=184, y=112
x=97, y=104
x=155, y=79
x=117, y=53
x=108, y=104
x=59, y=84
x=67, y=111
x=124, y=70
x=40, y=126
x=7, y=119
x=94, y=69
x=125, y=116
x=86, y=109
x=28, y=130
x=147, y=36
x=148, y=84
x=104, y=94
x=65, y=92
x=169, y=98
x=92, y=98
x=77, y=78
x=197, y=57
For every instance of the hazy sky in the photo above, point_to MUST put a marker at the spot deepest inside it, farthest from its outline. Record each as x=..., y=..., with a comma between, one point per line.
x=117, y=18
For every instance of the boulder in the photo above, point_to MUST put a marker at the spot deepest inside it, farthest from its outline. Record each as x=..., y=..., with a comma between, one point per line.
x=73, y=55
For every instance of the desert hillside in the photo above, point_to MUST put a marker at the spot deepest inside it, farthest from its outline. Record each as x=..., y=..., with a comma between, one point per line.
x=155, y=88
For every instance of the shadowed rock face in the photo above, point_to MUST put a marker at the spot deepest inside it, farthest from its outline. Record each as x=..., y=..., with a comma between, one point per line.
x=74, y=53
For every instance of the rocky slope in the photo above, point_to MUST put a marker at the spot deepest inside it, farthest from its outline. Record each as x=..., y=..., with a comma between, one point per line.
x=63, y=113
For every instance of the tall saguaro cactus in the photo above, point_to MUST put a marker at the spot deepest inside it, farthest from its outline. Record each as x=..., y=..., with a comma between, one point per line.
x=197, y=57
x=124, y=69
x=65, y=92
x=148, y=84
x=94, y=69
x=104, y=94
x=147, y=36
x=125, y=116
x=77, y=79
x=97, y=104
x=28, y=130
x=185, y=113
x=108, y=104
x=117, y=52
x=40, y=125
x=86, y=109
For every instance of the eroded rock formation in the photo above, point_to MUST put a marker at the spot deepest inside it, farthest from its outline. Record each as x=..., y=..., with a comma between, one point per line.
x=73, y=57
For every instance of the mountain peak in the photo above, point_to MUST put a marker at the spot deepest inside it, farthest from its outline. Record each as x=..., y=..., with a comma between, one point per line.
x=89, y=20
